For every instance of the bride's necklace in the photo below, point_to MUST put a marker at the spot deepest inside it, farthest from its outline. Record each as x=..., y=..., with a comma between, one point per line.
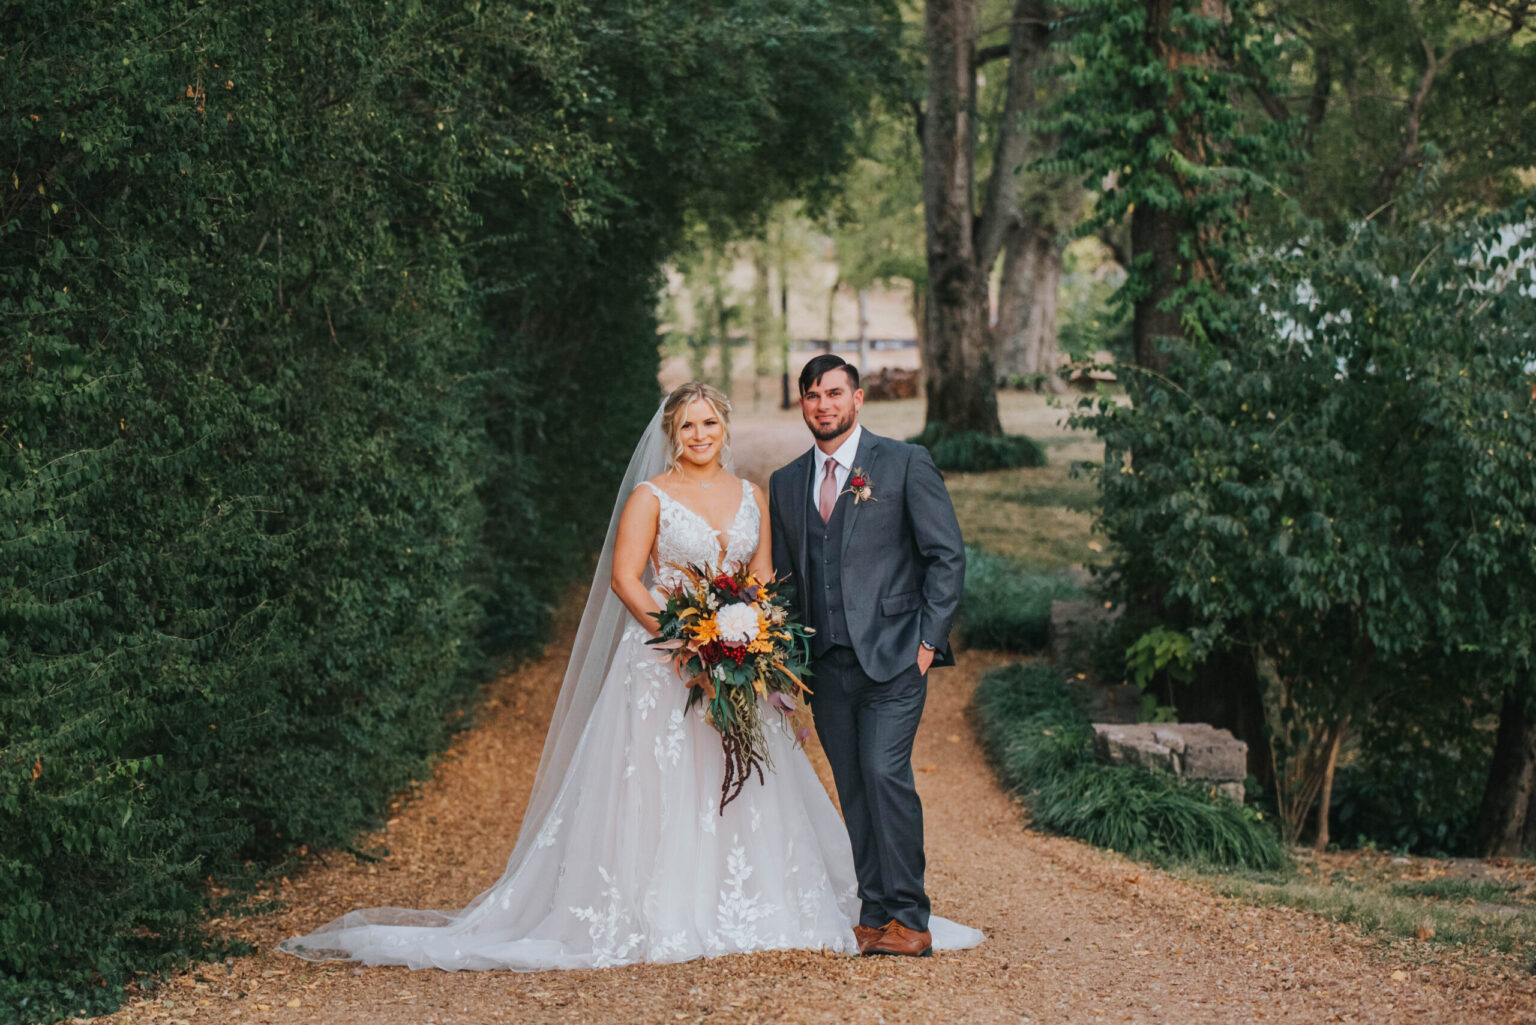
x=701, y=483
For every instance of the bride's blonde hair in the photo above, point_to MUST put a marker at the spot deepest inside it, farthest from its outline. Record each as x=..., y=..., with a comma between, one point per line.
x=673, y=410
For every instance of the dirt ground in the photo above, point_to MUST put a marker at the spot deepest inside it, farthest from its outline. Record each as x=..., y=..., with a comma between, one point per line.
x=1074, y=934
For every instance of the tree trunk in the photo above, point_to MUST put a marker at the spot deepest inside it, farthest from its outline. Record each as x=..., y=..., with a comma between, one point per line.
x=830, y=341
x=1156, y=232
x=762, y=323
x=784, y=401
x=1505, y=822
x=721, y=314
x=1528, y=835
x=1325, y=795
x=958, y=367
x=920, y=316
x=1026, y=344
x=1016, y=297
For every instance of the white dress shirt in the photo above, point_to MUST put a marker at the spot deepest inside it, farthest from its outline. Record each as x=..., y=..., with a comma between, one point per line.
x=844, y=456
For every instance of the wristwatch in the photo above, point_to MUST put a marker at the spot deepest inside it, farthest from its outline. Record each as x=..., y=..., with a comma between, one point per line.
x=928, y=647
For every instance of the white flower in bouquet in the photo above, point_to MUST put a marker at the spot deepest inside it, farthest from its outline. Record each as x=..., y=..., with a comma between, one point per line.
x=737, y=623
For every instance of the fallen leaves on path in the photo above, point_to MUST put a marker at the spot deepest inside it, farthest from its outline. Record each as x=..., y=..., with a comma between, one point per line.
x=1074, y=934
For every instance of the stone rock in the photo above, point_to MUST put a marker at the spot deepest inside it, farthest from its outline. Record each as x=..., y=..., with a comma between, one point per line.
x=1218, y=755
x=1130, y=744
x=1193, y=751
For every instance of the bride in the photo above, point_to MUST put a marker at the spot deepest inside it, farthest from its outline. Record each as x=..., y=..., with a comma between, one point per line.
x=624, y=855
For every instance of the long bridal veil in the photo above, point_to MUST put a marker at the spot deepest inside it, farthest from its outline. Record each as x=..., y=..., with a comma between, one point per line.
x=597, y=638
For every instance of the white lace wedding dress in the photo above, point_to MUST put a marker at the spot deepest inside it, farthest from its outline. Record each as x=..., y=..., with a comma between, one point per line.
x=634, y=860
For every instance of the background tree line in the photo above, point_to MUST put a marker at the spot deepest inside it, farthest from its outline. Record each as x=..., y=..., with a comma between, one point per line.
x=1321, y=494
x=325, y=329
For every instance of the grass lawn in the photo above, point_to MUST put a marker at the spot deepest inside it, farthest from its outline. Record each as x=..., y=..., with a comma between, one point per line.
x=1041, y=517
x=1443, y=903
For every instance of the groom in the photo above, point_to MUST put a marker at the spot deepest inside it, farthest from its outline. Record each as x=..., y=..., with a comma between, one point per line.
x=864, y=528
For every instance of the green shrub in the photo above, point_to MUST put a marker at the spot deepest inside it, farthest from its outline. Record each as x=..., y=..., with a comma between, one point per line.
x=1347, y=488
x=325, y=332
x=1042, y=747
x=1007, y=607
x=974, y=452
x=1415, y=779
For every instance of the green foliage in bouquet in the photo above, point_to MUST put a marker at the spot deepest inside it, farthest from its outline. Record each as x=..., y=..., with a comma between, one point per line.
x=1041, y=745
x=735, y=642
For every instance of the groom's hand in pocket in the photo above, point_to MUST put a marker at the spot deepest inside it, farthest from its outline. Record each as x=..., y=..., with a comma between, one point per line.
x=924, y=658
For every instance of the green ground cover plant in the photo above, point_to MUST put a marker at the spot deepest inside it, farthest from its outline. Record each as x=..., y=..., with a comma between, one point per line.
x=1006, y=606
x=975, y=452
x=1042, y=747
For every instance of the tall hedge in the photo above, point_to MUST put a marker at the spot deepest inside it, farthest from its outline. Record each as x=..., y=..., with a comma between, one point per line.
x=324, y=329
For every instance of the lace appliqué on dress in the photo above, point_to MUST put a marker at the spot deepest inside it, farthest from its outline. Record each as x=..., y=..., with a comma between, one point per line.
x=685, y=538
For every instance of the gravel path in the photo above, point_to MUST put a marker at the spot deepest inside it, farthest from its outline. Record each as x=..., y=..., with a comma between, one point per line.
x=1074, y=934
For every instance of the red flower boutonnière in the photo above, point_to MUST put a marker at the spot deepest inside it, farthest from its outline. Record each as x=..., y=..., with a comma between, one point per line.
x=859, y=487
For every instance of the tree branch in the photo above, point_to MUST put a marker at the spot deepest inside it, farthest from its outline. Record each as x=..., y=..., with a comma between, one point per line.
x=1273, y=105
x=988, y=54
x=1028, y=47
x=1387, y=180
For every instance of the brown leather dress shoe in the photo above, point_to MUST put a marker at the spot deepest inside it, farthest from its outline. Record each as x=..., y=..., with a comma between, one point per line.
x=867, y=935
x=896, y=939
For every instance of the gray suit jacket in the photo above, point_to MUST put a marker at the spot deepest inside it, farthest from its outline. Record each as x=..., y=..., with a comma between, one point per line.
x=903, y=562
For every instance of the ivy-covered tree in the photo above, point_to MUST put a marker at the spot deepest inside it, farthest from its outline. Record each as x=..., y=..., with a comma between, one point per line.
x=1148, y=117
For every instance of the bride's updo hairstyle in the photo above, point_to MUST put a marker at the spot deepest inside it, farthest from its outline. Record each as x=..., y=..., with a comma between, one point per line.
x=676, y=406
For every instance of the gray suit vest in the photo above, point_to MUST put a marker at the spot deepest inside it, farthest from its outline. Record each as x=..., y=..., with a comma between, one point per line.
x=824, y=580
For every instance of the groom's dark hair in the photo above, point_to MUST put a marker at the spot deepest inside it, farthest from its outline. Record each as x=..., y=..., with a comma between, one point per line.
x=816, y=368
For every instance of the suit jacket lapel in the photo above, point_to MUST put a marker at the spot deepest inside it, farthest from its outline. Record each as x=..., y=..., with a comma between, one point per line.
x=864, y=460
x=799, y=481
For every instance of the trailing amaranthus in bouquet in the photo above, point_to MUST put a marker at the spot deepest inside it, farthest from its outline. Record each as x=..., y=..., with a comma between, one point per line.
x=738, y=648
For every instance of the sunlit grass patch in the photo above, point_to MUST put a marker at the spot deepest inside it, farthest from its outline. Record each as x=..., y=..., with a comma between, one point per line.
x=1484, y=913
x=1488, y=891
x=1040, y=517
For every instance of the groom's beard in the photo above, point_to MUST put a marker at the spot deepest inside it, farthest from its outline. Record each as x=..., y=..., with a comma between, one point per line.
x=828, y=433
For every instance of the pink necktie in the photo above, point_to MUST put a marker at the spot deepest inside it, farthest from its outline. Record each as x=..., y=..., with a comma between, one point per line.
x=828, y=496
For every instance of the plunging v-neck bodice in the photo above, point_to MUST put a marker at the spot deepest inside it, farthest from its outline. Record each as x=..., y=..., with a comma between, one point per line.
x=685, y=538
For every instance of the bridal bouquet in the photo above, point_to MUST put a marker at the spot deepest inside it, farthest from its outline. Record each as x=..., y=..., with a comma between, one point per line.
x=734, y=641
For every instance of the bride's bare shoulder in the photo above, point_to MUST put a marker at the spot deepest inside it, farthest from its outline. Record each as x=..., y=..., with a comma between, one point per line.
x=643, y=497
